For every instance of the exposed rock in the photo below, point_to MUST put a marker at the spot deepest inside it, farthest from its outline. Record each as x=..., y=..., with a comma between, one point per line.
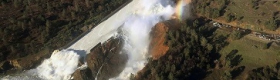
x=5, y=65
x=31, y=61
x=83, y=74
x=104, y=62
x=25, y=63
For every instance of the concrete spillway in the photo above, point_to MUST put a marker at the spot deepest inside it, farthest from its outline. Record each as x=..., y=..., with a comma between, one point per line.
x=104, y=30
x=63, y=63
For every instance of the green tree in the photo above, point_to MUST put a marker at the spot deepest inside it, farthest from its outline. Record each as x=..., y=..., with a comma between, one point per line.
x=196, y=23
x=171, y=76
x=203, y=41
x=131, y=77
x=48, y=7
x=2, y=4
x=186, y=51
x=13, y=49
x=76, y=5
x=28, y=2
x=226, y=75
x=63, y=14
x=173, y=68
x=73, y=15
x=48, y=25
x=271, y=25
x=16, y=2
x=167, y=68
x=87, y=3
x=209, y=47
x=277, y=66
x=215, y=13
x=230, y=17
x=177, y=35
x=158, y=77
x=235, y=35
x=265, y=46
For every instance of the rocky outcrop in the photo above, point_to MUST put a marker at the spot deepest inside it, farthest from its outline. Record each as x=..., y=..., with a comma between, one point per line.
x=105, y=61
x=5, y=65
x=25, y=63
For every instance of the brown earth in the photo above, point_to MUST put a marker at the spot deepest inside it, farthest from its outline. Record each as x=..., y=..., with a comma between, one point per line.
x=158, y=47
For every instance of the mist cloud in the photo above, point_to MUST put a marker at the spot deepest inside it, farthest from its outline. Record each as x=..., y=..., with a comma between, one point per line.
x=137, y=30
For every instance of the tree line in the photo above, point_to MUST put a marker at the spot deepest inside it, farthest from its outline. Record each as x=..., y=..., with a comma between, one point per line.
x=28, y=26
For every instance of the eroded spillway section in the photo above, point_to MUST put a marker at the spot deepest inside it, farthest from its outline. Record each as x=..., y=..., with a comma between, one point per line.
x=104, y=61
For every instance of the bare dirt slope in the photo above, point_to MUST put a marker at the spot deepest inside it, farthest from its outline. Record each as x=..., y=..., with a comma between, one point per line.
x=158, y=46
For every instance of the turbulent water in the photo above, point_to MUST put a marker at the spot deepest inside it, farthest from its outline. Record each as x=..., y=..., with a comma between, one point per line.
x=136, y=30
x=59, y=66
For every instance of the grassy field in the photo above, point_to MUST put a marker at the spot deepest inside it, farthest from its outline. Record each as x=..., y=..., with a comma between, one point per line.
x=253, y=53
x=252, y=50
x=257, y=15
x=254, y=17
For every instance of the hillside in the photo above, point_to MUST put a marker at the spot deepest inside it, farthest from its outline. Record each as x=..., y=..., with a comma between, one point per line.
x=201, y=50
x=38, y=27
x=158, y=47
x=191, y=54
x=257, y=15
x=198, y=50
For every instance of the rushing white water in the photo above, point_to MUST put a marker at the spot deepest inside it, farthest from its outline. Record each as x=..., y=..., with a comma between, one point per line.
x=59, y=66
x=137, y=19
x=137, y=31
